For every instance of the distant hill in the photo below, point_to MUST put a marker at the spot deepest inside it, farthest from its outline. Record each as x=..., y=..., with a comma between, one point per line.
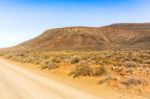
x=123, y=36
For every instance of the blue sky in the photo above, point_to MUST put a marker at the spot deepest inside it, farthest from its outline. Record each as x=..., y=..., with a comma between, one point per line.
x=21, y=20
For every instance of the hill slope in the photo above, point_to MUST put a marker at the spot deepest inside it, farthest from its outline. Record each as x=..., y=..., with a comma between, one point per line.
x=116, y=36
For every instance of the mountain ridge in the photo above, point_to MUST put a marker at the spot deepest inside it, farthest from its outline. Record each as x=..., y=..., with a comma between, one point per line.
x=122, y=36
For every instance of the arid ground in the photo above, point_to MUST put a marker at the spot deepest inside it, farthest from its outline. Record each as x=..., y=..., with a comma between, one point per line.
x=115, y=74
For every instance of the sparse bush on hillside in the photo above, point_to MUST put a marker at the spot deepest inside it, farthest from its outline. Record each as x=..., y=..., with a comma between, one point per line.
x=82, y=69
x=75, y=59
x=21, y=54
x=99, y=71
x=147, y=61
x=9, y=56
x=38, y=60
x=1, y=54
x=108, y=78
x=130, y=64
x=49, y=64
x=52, y=65
x=133, y=81
x=137, y=59
x=45, y=56
x=99, y=62
x=55, y=60
x=130, y=70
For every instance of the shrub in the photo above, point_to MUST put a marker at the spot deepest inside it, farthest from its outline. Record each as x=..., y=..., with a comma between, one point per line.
x=82, y=69
x=100, y=71
x=133, y=81
x=130, y=70
x=108, y=78
x=38, y=61
x=27, y=60
x=147, y=61
x=52, y=65
x=75, y=59
x=55, y=60
x=49, y=64
x=1, y=54
x=8, y=56
x=130, y=64
x=137, y=59
x=43, y=67
x=21, y=54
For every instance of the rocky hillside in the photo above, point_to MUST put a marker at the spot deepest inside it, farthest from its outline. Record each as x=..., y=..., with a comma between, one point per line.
x=127, y=36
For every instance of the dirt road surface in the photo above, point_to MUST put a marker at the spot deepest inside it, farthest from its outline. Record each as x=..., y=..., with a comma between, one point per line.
x=18, y=83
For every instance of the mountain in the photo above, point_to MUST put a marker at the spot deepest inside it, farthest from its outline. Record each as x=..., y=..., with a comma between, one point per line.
x=122, y=36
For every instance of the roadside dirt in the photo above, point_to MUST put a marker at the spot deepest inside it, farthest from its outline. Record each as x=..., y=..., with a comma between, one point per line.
x=87, y=84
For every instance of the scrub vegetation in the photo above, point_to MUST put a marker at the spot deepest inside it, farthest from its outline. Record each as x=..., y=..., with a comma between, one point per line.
x=121, y=69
